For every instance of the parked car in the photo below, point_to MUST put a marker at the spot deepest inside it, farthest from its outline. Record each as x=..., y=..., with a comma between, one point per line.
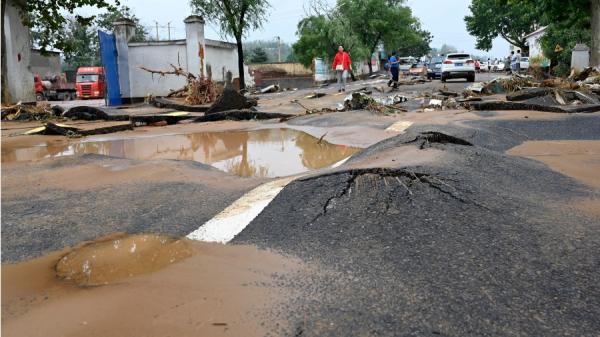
x=405, y=63
x=458, y=65
x=499, y=67
x=435, y=68
x=524, y=63
x=418, y=69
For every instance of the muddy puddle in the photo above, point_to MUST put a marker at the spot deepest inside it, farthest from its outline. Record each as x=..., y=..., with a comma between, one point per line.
x=117, y=257
x=162, y=287
x=579, y=159
x=260, y=153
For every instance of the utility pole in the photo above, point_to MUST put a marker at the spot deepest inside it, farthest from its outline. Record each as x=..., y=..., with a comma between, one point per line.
x=279, y=49
x=156, y=30
x=169, y=29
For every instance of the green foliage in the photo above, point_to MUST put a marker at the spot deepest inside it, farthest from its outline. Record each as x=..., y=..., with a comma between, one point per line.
x=106, y=20
x=258, y=56
x=81, y=43
x=234, y=17
x=568, y=23
x=361, y=26
x=316, y=39
x=510, y=20
x=46, y=18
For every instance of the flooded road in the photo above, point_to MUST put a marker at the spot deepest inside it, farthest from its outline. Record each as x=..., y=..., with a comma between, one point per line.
x=260, y=153
x=218, y=290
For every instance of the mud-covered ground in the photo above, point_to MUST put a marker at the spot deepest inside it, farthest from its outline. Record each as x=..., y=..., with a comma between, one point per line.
x=466, y=224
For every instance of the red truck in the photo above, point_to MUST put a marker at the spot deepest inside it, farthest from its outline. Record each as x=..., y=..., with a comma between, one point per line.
x=55, y=87
x=90, y=82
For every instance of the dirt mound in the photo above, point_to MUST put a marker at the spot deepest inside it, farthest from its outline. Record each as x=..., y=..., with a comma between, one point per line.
x=231, y=100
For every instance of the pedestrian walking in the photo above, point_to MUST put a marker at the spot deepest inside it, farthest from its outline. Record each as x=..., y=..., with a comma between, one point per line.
x=341, y=65
x=394, y=69
x=489, y=65
x=518, y=61
x=513, y=61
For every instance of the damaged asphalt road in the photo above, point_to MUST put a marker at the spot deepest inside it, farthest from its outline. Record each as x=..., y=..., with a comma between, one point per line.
x=97, y=195
x=476, y=245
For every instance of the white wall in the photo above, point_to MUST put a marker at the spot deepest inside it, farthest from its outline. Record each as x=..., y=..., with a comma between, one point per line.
x=156, y=56
x=18, y=55
x=221, y=61
x=535, y=49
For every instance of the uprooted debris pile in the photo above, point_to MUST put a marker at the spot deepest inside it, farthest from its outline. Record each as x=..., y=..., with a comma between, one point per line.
x=231, y=100
x=197, y=90
x=24, y=112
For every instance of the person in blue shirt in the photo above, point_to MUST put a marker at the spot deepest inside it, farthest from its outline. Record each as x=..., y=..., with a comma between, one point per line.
x=394, y=69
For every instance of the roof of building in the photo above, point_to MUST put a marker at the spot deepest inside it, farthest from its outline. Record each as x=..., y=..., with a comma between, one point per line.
x=537, y=32
x=219, y=44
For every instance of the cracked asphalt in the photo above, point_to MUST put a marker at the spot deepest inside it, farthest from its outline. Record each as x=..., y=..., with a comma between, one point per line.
x=479, y=244
x=471, y=243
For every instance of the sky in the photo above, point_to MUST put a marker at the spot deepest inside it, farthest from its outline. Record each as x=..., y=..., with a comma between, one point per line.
x=443, y=18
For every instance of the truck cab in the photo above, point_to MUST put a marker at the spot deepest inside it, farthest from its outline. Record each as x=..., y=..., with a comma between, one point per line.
x=90, y=82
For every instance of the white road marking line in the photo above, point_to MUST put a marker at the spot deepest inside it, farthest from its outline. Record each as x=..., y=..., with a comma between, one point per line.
x=399, y=127
x=233, y=219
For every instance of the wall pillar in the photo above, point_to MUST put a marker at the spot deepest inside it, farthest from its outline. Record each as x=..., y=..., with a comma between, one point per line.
x=124, y=29
x=195, y=46
x=18, y=55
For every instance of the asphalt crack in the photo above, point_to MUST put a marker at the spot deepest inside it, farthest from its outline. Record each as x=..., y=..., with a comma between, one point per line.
x=405, y=179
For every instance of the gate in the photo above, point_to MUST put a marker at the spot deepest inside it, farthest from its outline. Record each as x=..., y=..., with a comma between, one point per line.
x=108, y=56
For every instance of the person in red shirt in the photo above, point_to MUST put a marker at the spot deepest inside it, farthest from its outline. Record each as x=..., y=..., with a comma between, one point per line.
x=341, y=65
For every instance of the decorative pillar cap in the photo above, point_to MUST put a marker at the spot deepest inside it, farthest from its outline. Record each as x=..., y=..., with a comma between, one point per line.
x=194, y=19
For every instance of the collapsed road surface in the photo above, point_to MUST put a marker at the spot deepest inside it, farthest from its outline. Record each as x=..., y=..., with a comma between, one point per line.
x=444, y=230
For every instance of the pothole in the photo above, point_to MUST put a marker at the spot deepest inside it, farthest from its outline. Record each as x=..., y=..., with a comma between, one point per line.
x=258, y=153
x=112, y=259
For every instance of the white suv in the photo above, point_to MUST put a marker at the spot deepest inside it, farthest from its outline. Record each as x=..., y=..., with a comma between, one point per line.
x=458, y=65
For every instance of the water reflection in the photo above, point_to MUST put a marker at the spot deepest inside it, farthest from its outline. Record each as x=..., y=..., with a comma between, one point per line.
x=261, y=153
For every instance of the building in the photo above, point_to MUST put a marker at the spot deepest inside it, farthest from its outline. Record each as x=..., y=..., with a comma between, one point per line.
x=17, y=45
x=45, y=65
x=195, y=54
x=533, y=42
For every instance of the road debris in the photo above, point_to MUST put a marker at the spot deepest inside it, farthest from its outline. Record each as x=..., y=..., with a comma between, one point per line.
x=90, y=113
x=198, y=90
x=231, y=100
x=25, y=112
x=239, y=115
x=315, y=95
x=270, y=89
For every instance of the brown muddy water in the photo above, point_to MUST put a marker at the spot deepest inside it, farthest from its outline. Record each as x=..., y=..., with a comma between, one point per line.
x=147, y=285
x=259, y=153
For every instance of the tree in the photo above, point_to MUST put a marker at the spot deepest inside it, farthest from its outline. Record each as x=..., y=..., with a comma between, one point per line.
x=45, y=17
x=361, y=26
x=235, y=18
x=82, y=45
x=510, y=20
x=106, y=20
x=258, y=56
x=568, y=22
x=375, y=22
x=316, y=39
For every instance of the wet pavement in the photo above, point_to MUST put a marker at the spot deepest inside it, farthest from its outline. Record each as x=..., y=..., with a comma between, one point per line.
x=432, y=229
x=260, y=153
